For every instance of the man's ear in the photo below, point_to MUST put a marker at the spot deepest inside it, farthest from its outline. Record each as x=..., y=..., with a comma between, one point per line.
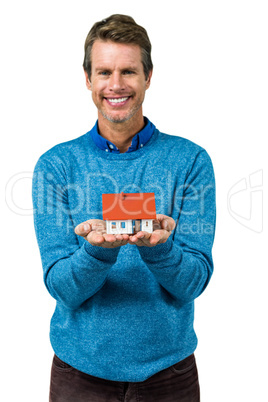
x=148, y=81
x=88, y=83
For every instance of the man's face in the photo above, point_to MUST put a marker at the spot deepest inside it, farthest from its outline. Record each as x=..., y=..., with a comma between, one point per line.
x=117, y=81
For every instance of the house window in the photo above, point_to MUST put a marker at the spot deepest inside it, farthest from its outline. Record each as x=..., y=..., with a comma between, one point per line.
x=123, y=225
x=113, y=225
x=147, y=224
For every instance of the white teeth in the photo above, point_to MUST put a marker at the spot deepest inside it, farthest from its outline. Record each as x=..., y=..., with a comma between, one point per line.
x=118, y=100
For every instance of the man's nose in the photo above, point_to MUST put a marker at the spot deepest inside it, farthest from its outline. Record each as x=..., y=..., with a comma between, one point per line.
x=116, y=82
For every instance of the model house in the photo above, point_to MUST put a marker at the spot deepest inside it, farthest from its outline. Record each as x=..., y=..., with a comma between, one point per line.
x=128, y=213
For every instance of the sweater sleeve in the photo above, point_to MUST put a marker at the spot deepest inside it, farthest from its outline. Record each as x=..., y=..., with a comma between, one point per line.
x=183, y=265
x=72, y=273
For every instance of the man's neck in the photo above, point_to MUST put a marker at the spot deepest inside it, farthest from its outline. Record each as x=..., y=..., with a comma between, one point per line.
x=120, y=134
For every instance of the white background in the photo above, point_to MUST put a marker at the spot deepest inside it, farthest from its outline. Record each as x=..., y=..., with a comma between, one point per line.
x=209, y=85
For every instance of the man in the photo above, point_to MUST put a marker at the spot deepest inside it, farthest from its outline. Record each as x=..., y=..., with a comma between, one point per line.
x=123, y=324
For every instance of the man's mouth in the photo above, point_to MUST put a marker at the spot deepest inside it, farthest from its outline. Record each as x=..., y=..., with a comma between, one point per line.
x=117, y=101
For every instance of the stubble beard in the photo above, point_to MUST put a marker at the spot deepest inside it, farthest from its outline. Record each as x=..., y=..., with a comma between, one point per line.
x=118, y=119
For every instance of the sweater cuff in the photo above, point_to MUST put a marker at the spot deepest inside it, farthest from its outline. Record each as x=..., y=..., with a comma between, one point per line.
x=101, y=253
x=156, y=253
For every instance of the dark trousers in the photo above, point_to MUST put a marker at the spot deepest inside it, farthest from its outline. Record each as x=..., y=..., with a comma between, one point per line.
x=178, y=383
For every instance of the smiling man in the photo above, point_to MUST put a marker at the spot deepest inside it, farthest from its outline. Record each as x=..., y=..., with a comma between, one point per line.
x=123, y=329
x=118, y=84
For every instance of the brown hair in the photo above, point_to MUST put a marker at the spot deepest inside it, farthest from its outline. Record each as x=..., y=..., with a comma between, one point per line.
x=122, y=29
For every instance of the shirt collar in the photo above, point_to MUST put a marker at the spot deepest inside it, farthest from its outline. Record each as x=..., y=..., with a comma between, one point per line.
x=138, y=141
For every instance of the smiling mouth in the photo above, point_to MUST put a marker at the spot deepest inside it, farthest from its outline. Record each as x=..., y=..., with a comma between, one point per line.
x=117, y=101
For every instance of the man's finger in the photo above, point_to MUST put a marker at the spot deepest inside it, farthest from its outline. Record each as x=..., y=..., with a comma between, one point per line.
x=83, y=229
x=159, y=236
x=166, y=222
x=95, y=239
x=99, y=227
x=139, y=236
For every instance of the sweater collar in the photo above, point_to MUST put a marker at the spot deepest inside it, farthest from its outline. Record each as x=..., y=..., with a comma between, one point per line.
x=138, y=141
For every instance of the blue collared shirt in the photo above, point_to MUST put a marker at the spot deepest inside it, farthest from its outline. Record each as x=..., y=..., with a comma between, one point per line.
x=138, y=141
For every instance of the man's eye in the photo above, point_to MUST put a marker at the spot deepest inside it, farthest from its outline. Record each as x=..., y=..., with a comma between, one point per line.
x=128, y=72
x=104, y=73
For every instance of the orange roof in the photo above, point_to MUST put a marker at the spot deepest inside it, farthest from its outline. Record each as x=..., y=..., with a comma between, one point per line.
x=128, y=206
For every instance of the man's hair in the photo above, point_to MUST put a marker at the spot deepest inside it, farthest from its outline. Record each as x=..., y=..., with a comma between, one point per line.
x=121, y=29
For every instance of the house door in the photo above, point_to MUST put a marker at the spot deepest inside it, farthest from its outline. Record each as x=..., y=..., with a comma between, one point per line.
x=137, y=225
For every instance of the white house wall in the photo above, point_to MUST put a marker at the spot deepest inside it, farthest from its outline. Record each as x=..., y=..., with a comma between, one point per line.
x=147, y=225
x=118, y=229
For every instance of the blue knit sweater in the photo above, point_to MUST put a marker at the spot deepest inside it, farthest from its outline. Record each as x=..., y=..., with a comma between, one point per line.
x=124, y=314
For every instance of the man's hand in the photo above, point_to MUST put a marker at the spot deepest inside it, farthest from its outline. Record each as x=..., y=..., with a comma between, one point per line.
x=94, y=231
x=162, y=225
